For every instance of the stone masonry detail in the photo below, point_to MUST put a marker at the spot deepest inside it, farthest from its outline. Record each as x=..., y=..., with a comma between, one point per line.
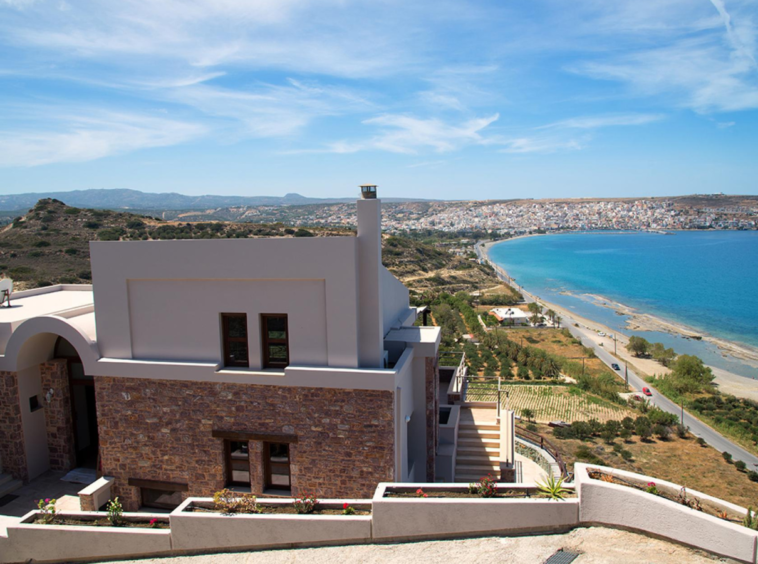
x=162, y=430
x=12, y=451
x=60, y=428
x=432, y=381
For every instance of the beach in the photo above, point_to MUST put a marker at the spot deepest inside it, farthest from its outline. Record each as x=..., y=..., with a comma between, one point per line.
x=727, y=382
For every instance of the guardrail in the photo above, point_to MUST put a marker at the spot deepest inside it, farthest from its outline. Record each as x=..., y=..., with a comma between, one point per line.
x=538, y=440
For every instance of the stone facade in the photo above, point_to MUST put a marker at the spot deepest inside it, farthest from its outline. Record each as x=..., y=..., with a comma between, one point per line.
x=12, y=451
x=432, y=384
x=60, y=428
x=162, y=430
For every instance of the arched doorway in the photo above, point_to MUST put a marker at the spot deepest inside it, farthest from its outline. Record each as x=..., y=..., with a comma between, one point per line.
x=83, y=407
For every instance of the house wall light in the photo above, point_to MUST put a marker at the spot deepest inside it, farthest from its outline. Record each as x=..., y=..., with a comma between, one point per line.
x=49, y=395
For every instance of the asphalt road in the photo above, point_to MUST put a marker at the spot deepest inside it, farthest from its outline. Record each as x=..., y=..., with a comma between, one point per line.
x=697, y=427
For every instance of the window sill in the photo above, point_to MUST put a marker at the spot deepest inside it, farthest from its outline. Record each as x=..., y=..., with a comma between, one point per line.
x=249, y=372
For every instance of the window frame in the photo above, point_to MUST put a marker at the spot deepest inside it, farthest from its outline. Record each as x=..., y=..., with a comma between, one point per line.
x=268, y=467
x=229, y=465
x=227, y=340
x=266, y=341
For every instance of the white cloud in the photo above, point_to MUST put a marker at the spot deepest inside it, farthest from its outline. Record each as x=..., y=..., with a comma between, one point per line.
x=523, y=145
x=83, y=135
x=595, y=122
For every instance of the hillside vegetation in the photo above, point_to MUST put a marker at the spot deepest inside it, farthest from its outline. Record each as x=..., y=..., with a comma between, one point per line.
x=50, y=245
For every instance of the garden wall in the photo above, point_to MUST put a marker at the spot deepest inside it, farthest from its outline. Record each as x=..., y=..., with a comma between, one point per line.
x=418, y=518
x=215, y=531
x=60, y=543
x=605, y=503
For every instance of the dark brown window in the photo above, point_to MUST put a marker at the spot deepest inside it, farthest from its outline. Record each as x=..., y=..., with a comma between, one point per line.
x=276, y=352
x=237, y=463
x=234, y=327
x=277, y=465
x=160, y=499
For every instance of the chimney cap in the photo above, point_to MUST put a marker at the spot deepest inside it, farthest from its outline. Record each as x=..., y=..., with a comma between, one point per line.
x=368, y=191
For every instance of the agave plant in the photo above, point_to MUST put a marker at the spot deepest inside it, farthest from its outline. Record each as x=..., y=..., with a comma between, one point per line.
x=552, y=488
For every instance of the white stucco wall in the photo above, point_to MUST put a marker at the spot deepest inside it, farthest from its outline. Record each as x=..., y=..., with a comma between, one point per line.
x=124, y=273
x=162, y=311
x=33, y=422
x=394, y=300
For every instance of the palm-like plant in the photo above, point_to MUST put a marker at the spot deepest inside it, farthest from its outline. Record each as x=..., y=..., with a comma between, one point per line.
x=553, y=489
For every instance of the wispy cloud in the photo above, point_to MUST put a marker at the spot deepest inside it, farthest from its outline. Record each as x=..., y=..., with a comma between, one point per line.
x=596, y=122
x=411, y=135
x=78, y=135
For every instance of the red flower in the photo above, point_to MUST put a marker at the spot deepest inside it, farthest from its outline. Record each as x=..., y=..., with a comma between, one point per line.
x=153, y=521
x=345, y=505
x=47, y=500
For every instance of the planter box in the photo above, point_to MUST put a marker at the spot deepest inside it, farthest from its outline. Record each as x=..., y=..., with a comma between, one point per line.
x=205, y=531
x=56, y=543
x=416, y=518
x=603, y=503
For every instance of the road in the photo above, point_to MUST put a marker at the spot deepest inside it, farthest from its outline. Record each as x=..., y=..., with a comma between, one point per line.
x=697, y=427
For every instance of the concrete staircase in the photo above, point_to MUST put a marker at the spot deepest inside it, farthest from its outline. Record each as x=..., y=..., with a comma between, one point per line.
x=478, y=451
x=8, y=484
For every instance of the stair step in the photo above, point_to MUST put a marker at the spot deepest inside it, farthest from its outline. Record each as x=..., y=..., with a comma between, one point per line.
x=484, y=458
x=5, y=478
x=482, y=469
x=478, y=442
x=475, y=435
x=483, y=426
x=9, y=487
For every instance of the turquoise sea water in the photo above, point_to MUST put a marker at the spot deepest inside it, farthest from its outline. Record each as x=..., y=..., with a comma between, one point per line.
x=705, y=280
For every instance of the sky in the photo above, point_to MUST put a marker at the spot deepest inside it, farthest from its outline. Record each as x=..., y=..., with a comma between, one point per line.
x=427, y=99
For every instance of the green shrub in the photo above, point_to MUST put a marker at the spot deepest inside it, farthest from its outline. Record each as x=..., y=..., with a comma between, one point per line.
x=303, y=233
x=71, y=211
x=92, y=224
x=40, y=244
x=727, y=457
x=35, y=254
x=71, y=251
x=740, y=465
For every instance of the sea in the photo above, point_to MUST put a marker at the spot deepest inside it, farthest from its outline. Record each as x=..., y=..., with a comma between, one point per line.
x=706, y=280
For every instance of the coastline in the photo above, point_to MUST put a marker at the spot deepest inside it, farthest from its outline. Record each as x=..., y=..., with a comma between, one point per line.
x=728, y=382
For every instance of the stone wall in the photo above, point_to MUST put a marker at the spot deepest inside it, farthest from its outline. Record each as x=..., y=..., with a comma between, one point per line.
x=432, y=381
x=162, y=430
x=60, y=428
x=12, y=449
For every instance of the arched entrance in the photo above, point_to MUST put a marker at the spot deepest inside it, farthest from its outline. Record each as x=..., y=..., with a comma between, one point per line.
x=83, y=406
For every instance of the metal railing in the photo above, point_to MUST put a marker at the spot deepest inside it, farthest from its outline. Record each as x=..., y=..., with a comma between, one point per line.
x=538, y=440
x=456, y=360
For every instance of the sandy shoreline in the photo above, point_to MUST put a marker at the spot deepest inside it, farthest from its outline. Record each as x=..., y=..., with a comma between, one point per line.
x=728, y=382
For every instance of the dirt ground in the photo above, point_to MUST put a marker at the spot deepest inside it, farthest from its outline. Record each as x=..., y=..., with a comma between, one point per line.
x=595, y=545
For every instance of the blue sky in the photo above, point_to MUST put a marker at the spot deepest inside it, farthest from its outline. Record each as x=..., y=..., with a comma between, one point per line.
x=505, y=99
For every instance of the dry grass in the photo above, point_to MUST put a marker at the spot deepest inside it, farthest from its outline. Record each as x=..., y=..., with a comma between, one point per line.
x=681, y=461
x=555, y=342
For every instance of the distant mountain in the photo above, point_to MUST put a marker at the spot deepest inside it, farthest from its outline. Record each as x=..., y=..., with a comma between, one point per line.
x=121, y=198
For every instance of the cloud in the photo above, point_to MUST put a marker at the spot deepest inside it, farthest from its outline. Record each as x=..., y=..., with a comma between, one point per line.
x=409, y=135
x=704, y=62
x=268, y=110
x=523, y=145
x=595, y=122
x=84, y=135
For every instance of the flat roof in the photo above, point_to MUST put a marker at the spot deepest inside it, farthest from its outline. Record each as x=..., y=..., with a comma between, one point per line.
x=62, y=300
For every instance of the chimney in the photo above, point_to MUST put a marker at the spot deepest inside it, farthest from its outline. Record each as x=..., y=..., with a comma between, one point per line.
x=370, y=322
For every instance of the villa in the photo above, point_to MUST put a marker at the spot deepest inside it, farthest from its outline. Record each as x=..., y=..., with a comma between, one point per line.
x=510, y=315
x=285, y=365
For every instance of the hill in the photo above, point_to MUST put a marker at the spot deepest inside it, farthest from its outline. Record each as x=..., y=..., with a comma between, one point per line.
x=121, y=198
x=50, y=245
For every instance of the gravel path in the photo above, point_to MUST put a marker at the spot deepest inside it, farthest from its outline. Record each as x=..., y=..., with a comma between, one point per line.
x=596, y=545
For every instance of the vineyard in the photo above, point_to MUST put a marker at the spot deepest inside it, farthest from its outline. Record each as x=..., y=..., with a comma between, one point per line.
x=549, y=403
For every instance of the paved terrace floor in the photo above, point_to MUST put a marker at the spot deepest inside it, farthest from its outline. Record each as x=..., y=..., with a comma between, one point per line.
x=48, y=485
x=595, y=545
